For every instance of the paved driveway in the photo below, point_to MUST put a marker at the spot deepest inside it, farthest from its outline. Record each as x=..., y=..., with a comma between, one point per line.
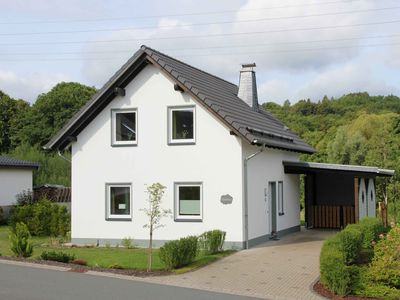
x=283, y=269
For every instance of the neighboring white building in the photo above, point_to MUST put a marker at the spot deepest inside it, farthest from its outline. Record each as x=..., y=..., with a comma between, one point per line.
x=15, y=177
x=220, y=156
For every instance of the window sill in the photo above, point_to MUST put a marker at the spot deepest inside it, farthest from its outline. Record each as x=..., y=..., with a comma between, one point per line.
x=124, y=145
x=118, y=219
x=174, y=143
x=188, y=220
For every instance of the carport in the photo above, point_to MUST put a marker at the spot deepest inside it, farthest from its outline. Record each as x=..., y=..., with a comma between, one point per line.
x=337, y=195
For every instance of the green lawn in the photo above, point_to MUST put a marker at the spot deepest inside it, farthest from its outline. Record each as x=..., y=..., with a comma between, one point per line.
x=105, y=257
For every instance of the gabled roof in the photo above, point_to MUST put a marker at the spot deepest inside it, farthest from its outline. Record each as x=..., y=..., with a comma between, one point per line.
x=12, y=163
x=294, y=167
x=217, y=95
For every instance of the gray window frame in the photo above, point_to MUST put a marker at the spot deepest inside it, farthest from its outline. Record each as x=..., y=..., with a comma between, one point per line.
x=171, y=141
x=187, y=218
x=114, y=142
x=110, y=217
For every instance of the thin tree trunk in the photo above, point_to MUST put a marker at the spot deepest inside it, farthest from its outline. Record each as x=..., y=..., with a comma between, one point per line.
x=149, y=262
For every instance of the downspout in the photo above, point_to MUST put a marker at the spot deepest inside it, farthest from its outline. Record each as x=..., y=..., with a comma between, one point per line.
x=246, y=197
x=62, y=156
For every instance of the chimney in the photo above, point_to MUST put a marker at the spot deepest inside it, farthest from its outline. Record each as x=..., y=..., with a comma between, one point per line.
x=248, y=86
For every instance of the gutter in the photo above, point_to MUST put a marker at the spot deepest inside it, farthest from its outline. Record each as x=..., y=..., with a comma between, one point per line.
x=246, y=196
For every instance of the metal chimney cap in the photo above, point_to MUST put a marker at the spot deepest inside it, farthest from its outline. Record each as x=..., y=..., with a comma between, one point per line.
x=251, y=65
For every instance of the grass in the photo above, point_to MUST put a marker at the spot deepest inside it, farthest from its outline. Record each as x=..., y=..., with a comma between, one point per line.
x=105, y=257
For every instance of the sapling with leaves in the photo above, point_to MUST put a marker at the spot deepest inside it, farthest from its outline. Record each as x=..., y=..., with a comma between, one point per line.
x=154, y=213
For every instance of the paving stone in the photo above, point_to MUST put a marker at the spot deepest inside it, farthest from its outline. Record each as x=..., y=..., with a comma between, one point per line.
x=271, y=271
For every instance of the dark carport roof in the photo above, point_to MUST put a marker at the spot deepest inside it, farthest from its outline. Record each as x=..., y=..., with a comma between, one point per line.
x=293, y=167
x=12, y=163
x=217, y=95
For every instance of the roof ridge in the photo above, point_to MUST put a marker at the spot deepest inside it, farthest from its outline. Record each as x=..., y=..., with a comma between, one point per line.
x=144, y=47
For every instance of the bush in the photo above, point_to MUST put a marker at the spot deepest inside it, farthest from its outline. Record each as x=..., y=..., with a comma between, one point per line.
x=179, y=253
x=57, y=256
x=43, y=218
x=385, y=266
x=127, y=243
x=334, y=272
x=371, y=229
x=212, y=241
x=21, y=241
x=25, y=197
x=350, y=242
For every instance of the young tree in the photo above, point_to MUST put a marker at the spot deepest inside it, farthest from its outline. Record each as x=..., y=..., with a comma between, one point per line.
x=155, y=213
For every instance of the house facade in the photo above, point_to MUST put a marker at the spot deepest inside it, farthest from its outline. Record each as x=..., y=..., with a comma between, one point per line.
x=218, y=154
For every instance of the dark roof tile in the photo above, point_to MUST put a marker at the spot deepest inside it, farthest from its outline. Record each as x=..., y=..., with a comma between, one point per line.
x=9, y=162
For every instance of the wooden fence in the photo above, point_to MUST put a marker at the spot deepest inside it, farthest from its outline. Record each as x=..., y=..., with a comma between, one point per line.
x=333, y=217
x=59, y=194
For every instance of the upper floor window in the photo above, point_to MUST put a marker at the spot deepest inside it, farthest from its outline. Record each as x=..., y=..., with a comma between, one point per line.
x=182, y=128
x=124, y=127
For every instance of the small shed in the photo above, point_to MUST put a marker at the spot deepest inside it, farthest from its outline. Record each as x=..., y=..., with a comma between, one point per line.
x=336, y=195
x=15, y=177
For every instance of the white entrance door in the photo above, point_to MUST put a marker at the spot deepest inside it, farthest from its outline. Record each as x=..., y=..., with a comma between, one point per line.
x=362, y=199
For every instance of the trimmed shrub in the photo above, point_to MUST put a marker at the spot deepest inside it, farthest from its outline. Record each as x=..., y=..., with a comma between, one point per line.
x=179, y=253
x=334, y=272
x=212, y=241
x=371, y=229
x=21, y=241
x=350, y=242
x=57, y=256
x=43, y=218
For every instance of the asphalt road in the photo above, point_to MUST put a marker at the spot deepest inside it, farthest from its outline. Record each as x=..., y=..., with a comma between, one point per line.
x=26, y=283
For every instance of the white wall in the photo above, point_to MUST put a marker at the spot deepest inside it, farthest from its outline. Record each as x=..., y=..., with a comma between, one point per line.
x=263, y=168
x=215, y=160
x=13, y=182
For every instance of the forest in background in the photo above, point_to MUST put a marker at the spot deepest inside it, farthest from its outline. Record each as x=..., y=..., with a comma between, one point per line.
x=353, y=129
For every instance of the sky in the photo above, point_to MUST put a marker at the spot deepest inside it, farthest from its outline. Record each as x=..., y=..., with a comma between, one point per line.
x=304, y=49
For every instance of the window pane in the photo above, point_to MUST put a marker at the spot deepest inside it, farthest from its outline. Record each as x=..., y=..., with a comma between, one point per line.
x=119, y=200
x=182, y=124
x=125, y=124
x=189, y=200
x=280, y=197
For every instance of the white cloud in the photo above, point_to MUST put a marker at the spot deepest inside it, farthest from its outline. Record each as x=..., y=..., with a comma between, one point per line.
x=28, y=86
x=346, y=79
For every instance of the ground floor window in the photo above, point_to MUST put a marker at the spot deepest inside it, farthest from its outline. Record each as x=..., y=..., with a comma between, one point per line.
x=188, y=201
x=280, y=198
x=119, y=201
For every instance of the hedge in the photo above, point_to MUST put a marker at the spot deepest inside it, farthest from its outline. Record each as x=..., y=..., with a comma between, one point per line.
x=179, y=253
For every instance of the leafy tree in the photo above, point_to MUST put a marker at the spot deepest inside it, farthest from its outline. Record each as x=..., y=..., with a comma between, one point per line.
x=155, y=213
x=52, y=110
x=11, y=112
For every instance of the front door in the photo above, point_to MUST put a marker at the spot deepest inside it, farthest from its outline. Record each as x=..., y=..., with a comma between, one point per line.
x=272, y=208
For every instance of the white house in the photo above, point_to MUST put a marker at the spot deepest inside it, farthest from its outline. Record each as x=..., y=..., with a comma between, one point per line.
x=218, y=153
x=15, y=177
